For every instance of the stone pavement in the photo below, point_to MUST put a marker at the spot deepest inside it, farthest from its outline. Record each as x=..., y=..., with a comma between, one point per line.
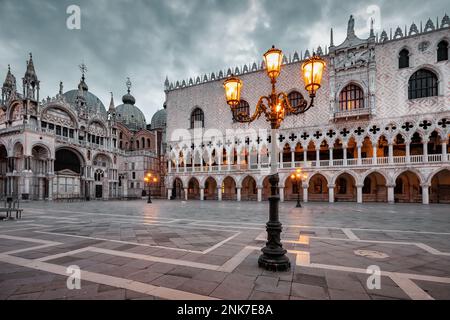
x=209, y=250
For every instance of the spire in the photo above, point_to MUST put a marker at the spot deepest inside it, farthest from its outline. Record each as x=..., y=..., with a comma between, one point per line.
x=112, y=108
x=331, y=38
x=128, y=98
x=166, y=83
x=82, y=85
x=351, y=27
x=30, y=82
x=61, y=89
x=372, y=34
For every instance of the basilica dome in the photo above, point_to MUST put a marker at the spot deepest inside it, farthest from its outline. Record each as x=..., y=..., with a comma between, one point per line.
x=130, y=115
x=159, y=120
x=93, y=103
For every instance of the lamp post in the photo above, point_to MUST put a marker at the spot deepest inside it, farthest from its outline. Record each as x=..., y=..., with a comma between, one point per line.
x=274, y=108
x=149, y=179
x=298, y=177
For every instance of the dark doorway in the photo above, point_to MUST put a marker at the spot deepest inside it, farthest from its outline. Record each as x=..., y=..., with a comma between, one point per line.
x=98, y=191
x=67, y=159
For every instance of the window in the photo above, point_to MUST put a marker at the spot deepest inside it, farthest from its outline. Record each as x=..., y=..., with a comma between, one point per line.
x=403, y=60
x=65, y=132
x=134, y=175
x=295, y=99
x=442, y=52
x=242, y=107
x=351, y=97
x=197, y=118
x=58, y=130
x=422, y=84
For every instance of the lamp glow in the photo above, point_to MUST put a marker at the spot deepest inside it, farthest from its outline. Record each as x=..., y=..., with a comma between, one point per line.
x=312, y=71
x=273, y=59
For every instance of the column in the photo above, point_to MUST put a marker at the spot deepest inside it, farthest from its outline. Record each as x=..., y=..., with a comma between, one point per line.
x=391, y=153
x=331, y=193
x=259, y=194
x=359, y=155
x=219, y=194
x=359, y=194
x=229, y=162
x=425, y=193
x=281, y=163
x=331, y=157
x=281, y=194
x=305, y=157
x=293, y=159
x=169, y=193
x=238, y=195
x=186, y=193
x=259, y=160
x=318, y=157
x=444, y=151
x=41, y=189
x=408, y=152
x=305, y=193
x=210, y=162
x=202, y=194
x=375, y=149
x=345, y=156
x=177, y=166
x=425, y=151
x=390, y=193
x=239, y=161
x=50, y=189
x=219, y=162
x=185, y=166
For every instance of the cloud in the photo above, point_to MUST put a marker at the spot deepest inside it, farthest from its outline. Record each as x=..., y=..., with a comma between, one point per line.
x=149, y=39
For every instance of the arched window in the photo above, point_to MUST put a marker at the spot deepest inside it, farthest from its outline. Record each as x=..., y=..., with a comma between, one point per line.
x=295, y=99
x=403, y=60
x=197, y=118
x=137, y=144
x=423, y=83
x=442, y=51
x=148, y=143
x=242, y=107
x=351, y=97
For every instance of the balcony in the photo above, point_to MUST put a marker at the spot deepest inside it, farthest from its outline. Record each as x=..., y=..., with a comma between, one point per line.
x=355, y=113
x=324, y=164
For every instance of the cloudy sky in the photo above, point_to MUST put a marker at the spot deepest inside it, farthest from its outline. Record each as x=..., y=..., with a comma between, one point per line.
x=149, y=39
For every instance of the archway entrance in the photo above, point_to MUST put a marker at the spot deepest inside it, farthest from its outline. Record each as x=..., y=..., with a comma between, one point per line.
x=98, y=177
x=229, y=189
x=249, y=190
x=440, y=187
x=210, y=189
x=193, y=189
x=68, y=175
x=407, y=188
x=317, y=188
x=374, y=189
x=39, y=167
x=177, y=189
x=345, y=189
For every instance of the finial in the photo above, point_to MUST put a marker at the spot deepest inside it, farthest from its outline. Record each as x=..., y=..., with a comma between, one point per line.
x=31, y=56
x=371, y=28
x=351, y=26
x=83, y=69
x=60, y=87
x=331, y=38
x=9, y=68
x=128, y=84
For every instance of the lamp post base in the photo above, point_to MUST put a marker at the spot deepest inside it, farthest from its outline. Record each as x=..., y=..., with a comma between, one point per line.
x=299, y=205
x=274, y=256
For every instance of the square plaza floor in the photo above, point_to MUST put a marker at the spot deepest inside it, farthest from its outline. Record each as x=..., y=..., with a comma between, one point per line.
x=209, y=250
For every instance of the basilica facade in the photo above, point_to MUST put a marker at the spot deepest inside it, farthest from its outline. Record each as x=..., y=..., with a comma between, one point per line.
x=72, y=147
x=379, y=130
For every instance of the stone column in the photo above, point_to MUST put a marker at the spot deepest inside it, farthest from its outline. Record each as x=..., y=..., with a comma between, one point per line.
x=186, y=193
x=408, y=153
x=425, y=152
x=331, y=193
x=50, y=189
x=259, y=194
x=444, y=151
x=425, y=193
x=391, y=153
x=305, y=193
x=238, y=195
x=41, y=189
x=169, y=166
x=169, y=193
x=359, y=194
x=259, y=159
x=281, y=194
x=202, y=194
x=390, y=193
x=293, y=159
x=374, y=156
x=177, y=166
x=359, y=156
x=318, y=157
x=305, y=157
x=345, y=156
x=331, y=157
x=219, y=194
x=229, y=162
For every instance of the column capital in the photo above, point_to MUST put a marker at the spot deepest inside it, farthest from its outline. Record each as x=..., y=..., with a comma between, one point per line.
x=359, y=185
x=331, y=186
x=425, y=185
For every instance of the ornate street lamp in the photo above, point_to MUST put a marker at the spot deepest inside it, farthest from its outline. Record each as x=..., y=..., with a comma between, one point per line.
x=274, y=107
x=149, y=179
x=298, y=177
